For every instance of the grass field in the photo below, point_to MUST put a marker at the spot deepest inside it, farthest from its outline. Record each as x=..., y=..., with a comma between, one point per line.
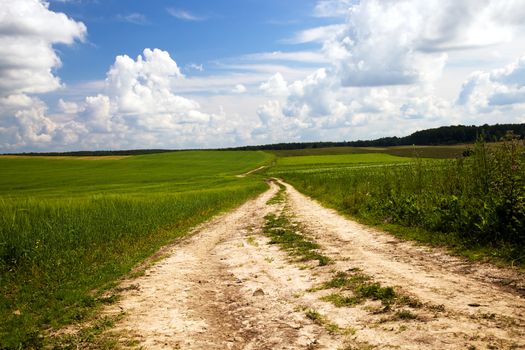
x=475, y=205
x=70, y=227
x=339, y=160
x=452, y=151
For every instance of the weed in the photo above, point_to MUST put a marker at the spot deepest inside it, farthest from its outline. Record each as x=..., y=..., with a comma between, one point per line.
x=251, y=240
x=341, y=301
x=405, y=315
x=331, y=327
x=281, y=232
x=279, y=197
x=374, y=291
x=409, y=301
x=315, y=316
x=362, y=288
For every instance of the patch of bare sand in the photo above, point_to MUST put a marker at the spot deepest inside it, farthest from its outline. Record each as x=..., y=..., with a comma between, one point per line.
x=251, y=171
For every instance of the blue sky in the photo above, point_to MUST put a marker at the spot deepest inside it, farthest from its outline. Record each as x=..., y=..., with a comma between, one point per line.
x=122, y=74
x=213, y=30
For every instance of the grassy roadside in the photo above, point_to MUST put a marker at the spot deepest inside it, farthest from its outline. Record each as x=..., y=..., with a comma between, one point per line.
x=475, y=205
x=64, y=240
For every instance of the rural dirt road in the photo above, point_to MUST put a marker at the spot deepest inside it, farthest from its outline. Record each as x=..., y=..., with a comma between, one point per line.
x=226, y=287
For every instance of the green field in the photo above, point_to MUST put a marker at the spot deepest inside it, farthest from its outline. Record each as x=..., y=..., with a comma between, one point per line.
x=339, y=160
x=452, y=151
x=69, y=227
x=475, y=205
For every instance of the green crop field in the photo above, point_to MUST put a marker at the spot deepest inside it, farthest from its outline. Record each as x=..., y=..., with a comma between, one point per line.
x=69, y=227
x=330, y=162
x=475, y=204
x=452, y=151
x=341, y=159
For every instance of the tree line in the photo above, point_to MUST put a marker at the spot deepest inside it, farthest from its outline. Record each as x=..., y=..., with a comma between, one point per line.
x=445, y=135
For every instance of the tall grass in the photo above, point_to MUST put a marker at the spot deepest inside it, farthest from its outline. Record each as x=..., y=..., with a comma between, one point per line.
x=477, y=201
x=59, y=253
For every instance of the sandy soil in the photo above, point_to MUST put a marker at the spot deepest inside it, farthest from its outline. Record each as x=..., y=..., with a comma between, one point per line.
x=251, y=171
x=226, y=287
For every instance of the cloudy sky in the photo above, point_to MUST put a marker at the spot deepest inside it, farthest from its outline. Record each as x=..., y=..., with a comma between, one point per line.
x=125, y=74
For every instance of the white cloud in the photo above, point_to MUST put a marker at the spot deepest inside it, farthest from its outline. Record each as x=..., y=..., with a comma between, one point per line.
x=332, y=8
x=292, y=56
x=135, y=18
x=137, y=109
x=275, y=86
x=68, y=107
x=184, y=15
x=96, y=115
x=197, y=67
x=378, y=46
x=386, y=59
x=318, y=34
x=239, y=89
x=28, y=29
x=374, y=74
x=499, y=88
x=143, y=86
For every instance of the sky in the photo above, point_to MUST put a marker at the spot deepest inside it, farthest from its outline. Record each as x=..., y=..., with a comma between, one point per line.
x=176, y=74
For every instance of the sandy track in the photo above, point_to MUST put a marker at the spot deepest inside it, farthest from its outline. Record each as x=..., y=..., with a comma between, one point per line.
x=225, y=287
x=202, y=295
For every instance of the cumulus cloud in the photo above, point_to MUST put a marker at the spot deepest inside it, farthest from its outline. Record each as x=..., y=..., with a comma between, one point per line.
x=28, y=29
x=143, y=86
x=275, y=86
x=405, y=42
x=385, y=60
x=504, y=87
x=68, y=107
x=378, y=46
x=139, y=98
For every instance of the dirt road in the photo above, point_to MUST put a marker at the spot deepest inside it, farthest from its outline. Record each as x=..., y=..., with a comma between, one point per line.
x=227, y=287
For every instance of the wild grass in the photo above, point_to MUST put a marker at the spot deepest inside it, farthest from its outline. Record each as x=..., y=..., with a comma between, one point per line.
x=70, y=228
x=279, y=197
x=281, y=232
x=323, y=321
x=360, y=285
x=475, y=204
